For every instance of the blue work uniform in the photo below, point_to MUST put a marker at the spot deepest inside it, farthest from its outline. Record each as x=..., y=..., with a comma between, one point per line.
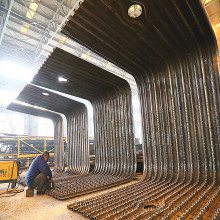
x=39, y=165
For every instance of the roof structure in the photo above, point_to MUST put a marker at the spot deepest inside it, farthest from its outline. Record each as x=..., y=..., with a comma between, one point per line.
x=30, y=29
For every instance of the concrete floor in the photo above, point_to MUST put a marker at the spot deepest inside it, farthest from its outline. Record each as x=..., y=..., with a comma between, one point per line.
x=38, y=207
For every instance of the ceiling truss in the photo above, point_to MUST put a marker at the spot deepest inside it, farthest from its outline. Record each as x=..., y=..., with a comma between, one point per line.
x=44, y=27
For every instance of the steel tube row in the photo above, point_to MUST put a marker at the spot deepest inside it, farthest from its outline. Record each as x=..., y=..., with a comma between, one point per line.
x=59, y=145
x=110, y=97
x=58, y=129
x=114, y=156
x=77, y=127
x=172, y=53
x=77, y=142
x=181, y=194
x=79, y=185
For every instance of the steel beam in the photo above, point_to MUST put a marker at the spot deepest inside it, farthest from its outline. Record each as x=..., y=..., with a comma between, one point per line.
x=8, y=6
x=46, y=39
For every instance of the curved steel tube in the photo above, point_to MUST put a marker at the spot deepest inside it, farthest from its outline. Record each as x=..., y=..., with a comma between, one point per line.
x=58, y=130
x=77, y=129
x=171, y=52
x=110, y=97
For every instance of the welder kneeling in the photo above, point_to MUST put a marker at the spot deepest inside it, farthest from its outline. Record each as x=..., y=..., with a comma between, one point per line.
x=38, y=175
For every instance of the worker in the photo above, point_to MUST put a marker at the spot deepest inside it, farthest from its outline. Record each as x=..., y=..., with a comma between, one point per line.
x=39, y=173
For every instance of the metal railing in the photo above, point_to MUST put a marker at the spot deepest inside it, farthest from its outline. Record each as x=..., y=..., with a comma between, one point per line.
x=27, y=147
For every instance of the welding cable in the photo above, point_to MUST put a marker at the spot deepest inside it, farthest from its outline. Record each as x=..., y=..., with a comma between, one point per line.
x=12, y=192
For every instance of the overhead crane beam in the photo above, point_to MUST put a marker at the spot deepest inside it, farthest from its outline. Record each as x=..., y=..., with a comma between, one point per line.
x=8, y=6
x=46, y=38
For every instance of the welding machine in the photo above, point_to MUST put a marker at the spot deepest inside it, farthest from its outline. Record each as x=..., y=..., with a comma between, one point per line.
x=9, y=172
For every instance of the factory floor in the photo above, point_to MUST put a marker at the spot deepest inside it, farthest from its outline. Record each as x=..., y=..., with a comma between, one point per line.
x=38, y=207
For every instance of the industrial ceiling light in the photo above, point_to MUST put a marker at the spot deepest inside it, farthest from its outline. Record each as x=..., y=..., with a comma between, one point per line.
x=32, y=10
x=62, y=40
x=33, y=6
x=135, y=11
x=44, y=93
x=61, y=79
x=30, y=14
x=206, y=1
x=217, y=26
x=26, y=24
x=86, y=55
x=24, y=30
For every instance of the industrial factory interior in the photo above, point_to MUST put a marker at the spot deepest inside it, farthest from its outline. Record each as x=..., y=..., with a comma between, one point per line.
x=109, y=109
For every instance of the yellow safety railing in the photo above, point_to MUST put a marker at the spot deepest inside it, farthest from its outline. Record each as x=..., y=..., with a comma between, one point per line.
x=21, y=140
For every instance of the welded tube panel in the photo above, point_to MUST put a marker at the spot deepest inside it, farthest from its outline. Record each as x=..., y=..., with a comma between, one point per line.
x=171, y=51
x=110, y=97
x=77, y=119
x=59, y=141
x=77, y=141
x=58, y=129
